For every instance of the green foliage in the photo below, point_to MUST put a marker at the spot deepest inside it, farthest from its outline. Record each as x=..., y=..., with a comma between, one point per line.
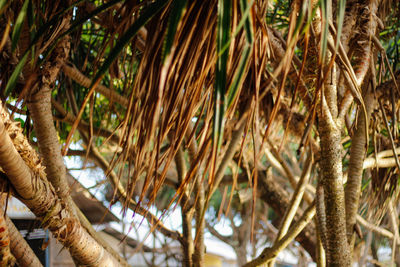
x=15, y=75
x=18, y=25
x=223, y=35
x=279, y=16
x=178, y=7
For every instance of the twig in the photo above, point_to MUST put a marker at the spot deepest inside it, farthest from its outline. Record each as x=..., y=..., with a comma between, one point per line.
x=223, y=238
x=295, y=201
x=271, y=252
x=81, y=79
x=374, y=228
x=389, y=133
x=296, y=198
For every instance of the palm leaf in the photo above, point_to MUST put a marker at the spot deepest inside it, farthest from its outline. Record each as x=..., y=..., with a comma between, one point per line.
x=42, y=30
x=223, y=31
x=2, y=4
x=176, y=13
x=14, y=76
x=244, y=22
x=324, y=33
x=245, y=8
x=234, y=88
x=340, y=17
x=18, y=25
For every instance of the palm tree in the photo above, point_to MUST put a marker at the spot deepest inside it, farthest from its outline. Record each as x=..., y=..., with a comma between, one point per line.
x=295, y=102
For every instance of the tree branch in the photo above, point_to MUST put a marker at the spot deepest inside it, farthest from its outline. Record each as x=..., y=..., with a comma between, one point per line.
x=42, y=199
x=269, y=253
x=22, y=252
x=80, y=78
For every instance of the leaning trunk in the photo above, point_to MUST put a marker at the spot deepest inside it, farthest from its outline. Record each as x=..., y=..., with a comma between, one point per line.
x=20, y=248
x=39, y=196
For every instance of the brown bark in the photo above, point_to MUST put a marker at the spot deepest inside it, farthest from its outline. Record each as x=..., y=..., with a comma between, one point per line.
x=39, y=195
x=199, y=194
x=20, y=249
x=49, y=147
x=241, y=235
x=187, y=212
x=331, y=171
x=354, y=180
x=40, y=109
x=199, y=248
x=6, y=258
x=331, y=175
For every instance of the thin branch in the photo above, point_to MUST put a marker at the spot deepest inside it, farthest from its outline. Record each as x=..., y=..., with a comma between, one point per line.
x=389, y=133
x=296, y=198
x=358, y=151
x=223, y=238
x=280, y=164
x=230, y=152
x=374, y=228
x=382, y=163
x=83, y=126
x=272, y=252
x=81, y=79
x=395, y=225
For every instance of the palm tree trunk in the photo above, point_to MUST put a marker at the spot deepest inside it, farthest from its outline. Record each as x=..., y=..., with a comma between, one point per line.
x=331, y=180
x=6, y=258
x=40, y=197
x=357, y=155
x=20, y=249
x=40, y=109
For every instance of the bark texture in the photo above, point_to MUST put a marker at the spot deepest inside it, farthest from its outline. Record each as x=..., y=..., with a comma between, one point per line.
x=39, y=196
x=354, y=180
x=40, y=109
x=20, y=249
x=331, y=175
x=6, y=258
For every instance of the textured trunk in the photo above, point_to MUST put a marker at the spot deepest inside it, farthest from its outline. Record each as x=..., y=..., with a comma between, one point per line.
x=20, y=249
x=199, y=193
x=187, y=248
x=41, y=198
x=49, y=147
x=331, y=175
x=242, y=234
x=331, y=171
x=6, y=258
x=357, y=155
x=40, y=109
